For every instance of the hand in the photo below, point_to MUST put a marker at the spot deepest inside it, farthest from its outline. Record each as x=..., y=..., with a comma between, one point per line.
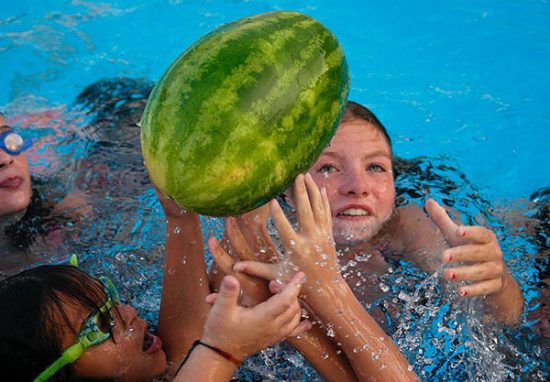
x=311, y=248
x=171, y=208
x=477, y=247
x=241, y=331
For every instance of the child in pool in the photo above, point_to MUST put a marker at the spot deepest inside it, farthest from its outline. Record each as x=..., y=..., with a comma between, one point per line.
x=24, y=215
x=372, y=354
x=356, y=170
x=60, y=323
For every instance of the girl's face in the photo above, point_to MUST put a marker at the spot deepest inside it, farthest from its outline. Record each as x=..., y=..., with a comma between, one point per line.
x=131, y=354
x=15, y=180
x=356, y=170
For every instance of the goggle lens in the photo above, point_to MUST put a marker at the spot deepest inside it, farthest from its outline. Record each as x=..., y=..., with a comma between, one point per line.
x=13, y=143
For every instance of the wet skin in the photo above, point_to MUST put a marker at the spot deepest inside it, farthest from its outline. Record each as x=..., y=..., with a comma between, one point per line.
x=15, y=180
x=126, y=356
x=356, y=171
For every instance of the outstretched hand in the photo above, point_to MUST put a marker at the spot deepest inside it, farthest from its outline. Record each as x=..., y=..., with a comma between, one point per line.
x=474, y=246
x=241, y=331
x=310, y=248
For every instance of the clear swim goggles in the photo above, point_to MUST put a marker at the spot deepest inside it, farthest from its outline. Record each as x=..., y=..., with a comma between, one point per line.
x=91, y=332
x=13, y=143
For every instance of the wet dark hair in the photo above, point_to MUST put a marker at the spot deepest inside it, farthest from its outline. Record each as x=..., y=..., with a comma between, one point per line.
x=36, y=222
x=355, y=111
x=33, y=319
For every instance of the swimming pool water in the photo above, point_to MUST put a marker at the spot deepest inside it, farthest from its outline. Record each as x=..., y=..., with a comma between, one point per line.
x=463, y=83
x=458, y=78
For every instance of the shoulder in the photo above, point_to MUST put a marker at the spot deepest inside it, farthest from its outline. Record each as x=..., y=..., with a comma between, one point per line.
x=413, y=234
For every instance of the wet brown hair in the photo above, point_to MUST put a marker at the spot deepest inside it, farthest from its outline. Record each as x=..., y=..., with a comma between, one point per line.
x=34, y=321
x=355, y=111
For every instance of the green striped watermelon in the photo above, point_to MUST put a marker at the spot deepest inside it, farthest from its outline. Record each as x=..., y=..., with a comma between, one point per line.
x=243, y=111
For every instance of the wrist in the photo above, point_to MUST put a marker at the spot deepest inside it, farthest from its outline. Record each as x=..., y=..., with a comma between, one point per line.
x=219, y=351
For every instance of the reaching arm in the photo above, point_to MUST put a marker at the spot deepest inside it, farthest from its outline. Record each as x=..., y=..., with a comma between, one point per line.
x=373, y=355
x=233, y=333
x=484, y=266
x=249, y=240
x=183, y=309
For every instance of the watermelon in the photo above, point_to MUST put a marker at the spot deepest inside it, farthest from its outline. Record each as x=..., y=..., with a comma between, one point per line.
x=244, y=110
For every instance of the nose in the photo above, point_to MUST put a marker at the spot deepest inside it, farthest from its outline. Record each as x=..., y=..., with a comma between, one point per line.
x=5, y=159
x=128, y=314
x=356, y=183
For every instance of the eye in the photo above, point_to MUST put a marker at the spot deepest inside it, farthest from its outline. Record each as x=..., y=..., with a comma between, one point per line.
x=376, y=167
x=327, y=169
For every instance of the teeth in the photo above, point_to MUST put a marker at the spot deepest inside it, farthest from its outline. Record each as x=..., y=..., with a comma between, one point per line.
x=354, y=212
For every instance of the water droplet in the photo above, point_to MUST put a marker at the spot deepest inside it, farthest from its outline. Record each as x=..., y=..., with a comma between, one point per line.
x=384, y=287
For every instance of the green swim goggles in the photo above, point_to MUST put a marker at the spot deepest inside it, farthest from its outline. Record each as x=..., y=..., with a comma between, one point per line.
x=90, y=334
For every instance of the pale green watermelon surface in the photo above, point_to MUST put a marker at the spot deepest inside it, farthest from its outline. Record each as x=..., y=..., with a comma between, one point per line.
x=243, y=111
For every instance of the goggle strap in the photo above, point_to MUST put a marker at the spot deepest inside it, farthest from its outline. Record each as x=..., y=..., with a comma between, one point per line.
x=70, y=355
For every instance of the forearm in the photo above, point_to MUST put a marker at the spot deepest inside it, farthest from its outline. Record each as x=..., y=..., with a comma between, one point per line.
x=507, y=305
x=204, y=365
x=183, y=309
x=373, y=354
x=321, y=353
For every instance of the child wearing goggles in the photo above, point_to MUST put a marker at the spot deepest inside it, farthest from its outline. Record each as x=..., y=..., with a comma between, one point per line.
x=15, y=176
x=58, y=323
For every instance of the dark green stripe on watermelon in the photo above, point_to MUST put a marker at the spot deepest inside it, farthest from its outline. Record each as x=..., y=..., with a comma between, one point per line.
x=244, y=110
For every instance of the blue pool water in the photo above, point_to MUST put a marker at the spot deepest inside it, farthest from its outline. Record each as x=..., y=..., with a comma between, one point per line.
x=463, y=83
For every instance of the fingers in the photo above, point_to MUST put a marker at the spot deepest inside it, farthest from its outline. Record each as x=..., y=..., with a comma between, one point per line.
x=303, y=206
x=476, y=272
x=238, y=242
x=229, y=293
x=327, y=218
x=478, y=235
x=258, y=269
x=287, y=233
x=472, y=253
x=224, y=261
x=253, y=227
x=482, y=288
x=315, y=199
x=287, y=299
x=302, y=327
x=211, y=298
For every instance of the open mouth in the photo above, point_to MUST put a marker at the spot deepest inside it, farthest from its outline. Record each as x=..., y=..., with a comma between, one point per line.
x=151, y=343
x=353, y=212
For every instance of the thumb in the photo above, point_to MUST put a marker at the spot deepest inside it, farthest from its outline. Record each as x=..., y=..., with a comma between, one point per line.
x=228, y=294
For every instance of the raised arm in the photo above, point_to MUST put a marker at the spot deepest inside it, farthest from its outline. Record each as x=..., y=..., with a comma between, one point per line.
x=183, y=309
x=248, y=239
x=373, y=355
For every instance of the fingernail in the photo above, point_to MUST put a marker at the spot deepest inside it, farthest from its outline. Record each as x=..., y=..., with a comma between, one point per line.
x=452, y=275
x=462, y=292
x=450, y=257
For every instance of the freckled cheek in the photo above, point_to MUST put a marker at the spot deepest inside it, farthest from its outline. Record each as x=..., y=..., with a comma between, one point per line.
x=382, y=184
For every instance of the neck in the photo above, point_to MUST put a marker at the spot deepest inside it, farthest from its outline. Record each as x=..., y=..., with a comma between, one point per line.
x=7, y=220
